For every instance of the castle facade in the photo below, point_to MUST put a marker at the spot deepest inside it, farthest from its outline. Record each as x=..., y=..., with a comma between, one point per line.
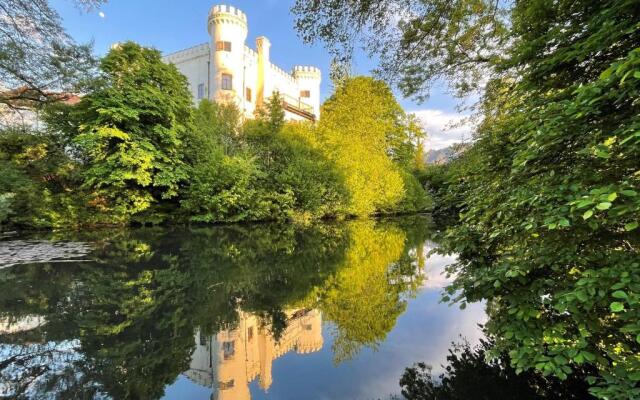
x=226, y=70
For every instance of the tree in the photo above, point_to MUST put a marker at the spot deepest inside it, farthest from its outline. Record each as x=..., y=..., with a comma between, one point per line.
x=546, y=199
x=38, y=60
x=470, y=375
x=362, y=129
x=130, y=129
x=418, y=42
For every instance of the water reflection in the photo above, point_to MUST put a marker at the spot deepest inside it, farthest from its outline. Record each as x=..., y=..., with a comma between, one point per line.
x=230, y=360
x=122, y=325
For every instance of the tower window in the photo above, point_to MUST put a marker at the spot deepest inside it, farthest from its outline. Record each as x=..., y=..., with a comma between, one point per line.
x=227, y=82
x=248, y=94
x=228, y=349
x=201, y=91
x=223, y=46
x=305, y=94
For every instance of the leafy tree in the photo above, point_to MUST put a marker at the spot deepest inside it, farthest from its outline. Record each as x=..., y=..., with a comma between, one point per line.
x=469, y=375
x=548, y=194
x=40, y=182
x=418, y=42
x=38, y=60
x=358, y=130
x=130, y=129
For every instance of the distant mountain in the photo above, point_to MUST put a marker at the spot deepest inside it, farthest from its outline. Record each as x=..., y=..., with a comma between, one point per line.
x=444, y=155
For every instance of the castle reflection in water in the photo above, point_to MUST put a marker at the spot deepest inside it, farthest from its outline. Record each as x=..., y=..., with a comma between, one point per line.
x=230, y=360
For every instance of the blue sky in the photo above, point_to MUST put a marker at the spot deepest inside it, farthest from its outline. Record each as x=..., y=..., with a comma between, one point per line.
x=171, y=25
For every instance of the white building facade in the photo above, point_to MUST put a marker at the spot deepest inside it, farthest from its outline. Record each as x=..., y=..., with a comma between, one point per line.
x=226, y=70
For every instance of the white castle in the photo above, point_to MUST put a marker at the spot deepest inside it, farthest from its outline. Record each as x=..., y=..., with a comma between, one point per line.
x=226, y=70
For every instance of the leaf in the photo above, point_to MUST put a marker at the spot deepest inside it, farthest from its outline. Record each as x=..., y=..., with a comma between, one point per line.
x=612, y=196
x=564, y=222
x=619, y=294
x=587, y=214
x=604, y=205
x=616, y=306
x=584, y=203
x=629, y=193
x=631, y=226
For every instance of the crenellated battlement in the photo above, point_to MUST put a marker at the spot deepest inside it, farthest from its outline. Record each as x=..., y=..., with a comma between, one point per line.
x=187, y=54
x=282, y=73
x=306, y=72
x=227, y=14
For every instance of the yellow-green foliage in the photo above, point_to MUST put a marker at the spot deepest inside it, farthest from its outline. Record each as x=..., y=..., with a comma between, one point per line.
x=355, y=130
x=365, y=296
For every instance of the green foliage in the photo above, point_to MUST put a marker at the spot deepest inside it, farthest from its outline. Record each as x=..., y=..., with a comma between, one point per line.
x=370, y=138
x=546, y=200
x=418, y=42
x=470, y=375
x=38, y=59
x=131, y=127
x=40, y=183
x=274, y=173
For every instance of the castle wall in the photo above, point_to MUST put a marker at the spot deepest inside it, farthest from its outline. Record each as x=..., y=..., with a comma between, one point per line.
x=194, y=64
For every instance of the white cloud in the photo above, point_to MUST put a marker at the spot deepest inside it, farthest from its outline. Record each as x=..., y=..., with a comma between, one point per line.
x=444, y=128
x=101, y=14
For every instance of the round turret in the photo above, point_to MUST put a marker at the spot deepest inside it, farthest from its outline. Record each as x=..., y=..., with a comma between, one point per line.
x=228, y=29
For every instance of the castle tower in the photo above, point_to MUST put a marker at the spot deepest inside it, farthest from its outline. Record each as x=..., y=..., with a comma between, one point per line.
x=228, y=30
x=263, y=46
x=309, y=79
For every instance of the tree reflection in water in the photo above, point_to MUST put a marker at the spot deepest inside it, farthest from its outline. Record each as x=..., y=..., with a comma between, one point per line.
x=123, y=325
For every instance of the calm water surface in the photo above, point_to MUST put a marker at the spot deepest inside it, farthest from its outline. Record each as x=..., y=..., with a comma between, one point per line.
x=334, y=311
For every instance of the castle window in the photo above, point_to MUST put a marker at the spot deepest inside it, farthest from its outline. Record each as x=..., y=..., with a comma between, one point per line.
x=226, y=385
x=227, y=82
x=223, y=46
x=228, y=349
x=305, y=94
x=250, y=333
x=248, y=94
x=201, y=91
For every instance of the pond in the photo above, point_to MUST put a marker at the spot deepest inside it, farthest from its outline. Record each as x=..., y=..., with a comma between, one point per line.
x=268, y=311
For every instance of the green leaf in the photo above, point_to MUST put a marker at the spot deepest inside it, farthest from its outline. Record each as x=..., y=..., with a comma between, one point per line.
x=587, y=214
x=612, y=196
x=630, y=226
x=619, y=294
x=584, y=203
x=564, y=222
x=582, y=296
x=616, y=306
x=604, y=205
x=629, y=193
